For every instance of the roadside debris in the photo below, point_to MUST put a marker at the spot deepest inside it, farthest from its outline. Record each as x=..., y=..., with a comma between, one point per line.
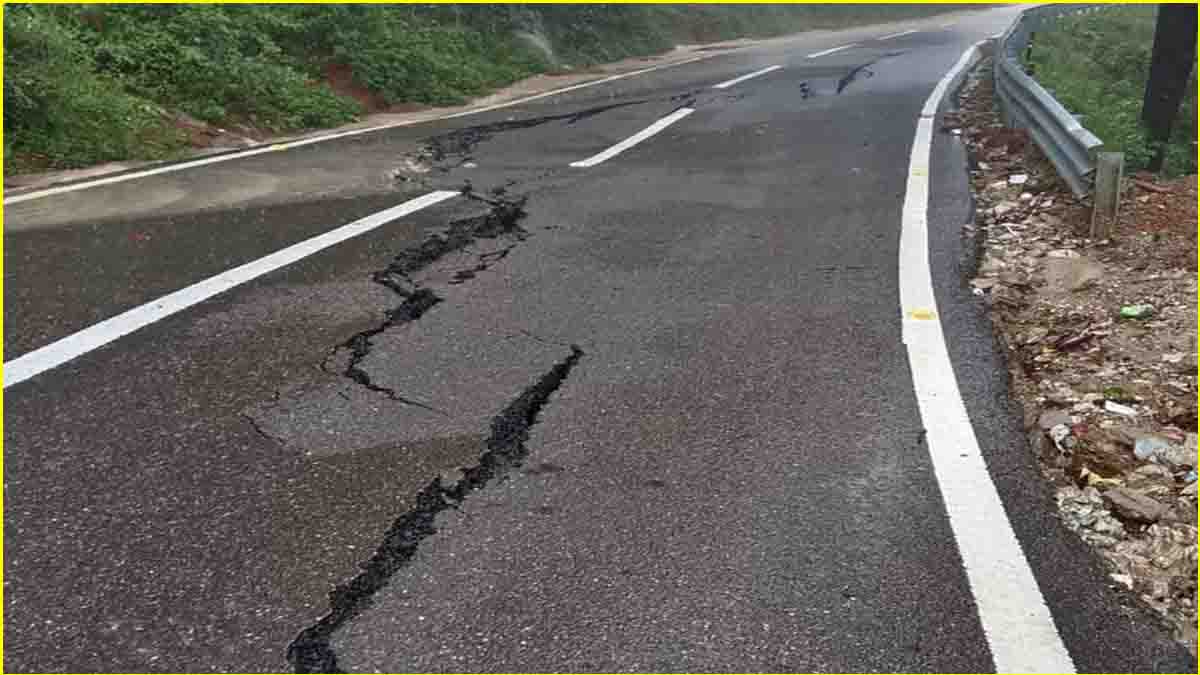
x=1101, y=341
x=1137, y=311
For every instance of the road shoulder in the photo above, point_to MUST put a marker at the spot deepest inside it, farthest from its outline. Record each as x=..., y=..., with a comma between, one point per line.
x=1085, y=600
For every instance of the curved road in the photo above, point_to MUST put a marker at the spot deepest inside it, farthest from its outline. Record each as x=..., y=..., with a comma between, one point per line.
x=633, y=393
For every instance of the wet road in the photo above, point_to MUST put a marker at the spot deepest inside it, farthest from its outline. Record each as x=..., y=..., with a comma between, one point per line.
x=648, y=414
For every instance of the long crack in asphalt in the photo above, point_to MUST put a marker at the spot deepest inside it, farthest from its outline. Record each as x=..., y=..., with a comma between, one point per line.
x=461, y=142
x=436, y=151
x=311, y=651
x=501, y=219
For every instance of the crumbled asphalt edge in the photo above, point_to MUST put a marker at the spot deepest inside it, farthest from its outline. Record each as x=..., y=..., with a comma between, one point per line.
x=501, y=219
x=461, y=143
x=311, y=651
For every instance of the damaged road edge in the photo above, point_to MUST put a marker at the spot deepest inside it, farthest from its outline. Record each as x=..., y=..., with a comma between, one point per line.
x=311, y=651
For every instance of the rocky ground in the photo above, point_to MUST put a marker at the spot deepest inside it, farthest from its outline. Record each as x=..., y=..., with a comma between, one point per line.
x=1101, y=340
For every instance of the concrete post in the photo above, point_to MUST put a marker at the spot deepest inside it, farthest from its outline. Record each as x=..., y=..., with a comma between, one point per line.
x=1110, y=167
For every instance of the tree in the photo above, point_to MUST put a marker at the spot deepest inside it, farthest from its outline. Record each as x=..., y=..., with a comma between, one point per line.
x=1171, y=64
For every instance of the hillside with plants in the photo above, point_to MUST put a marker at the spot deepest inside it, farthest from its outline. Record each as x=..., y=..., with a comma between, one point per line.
x=85, y=84
x=1097, y=65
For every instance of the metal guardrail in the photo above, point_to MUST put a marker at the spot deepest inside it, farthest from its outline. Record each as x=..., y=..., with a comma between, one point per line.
x=1026, y=104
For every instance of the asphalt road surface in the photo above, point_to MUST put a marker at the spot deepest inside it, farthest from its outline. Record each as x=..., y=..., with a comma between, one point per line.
x=633, y=398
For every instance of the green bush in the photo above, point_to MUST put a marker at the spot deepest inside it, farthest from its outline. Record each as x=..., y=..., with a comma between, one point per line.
x=59, y=112
x=206, y=61
x=1096, y=65
x=431, y=64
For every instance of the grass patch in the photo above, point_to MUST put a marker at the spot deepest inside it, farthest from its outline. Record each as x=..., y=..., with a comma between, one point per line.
x=1096, y=65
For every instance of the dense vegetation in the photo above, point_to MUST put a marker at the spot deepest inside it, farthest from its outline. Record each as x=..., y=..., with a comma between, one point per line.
x=92, y=83
x=1096, y=65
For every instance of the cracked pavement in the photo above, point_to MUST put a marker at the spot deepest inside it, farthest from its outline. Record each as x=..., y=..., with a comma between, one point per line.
x=650, y=416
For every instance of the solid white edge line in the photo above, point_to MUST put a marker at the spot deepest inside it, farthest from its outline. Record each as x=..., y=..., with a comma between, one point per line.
x=737, y=80
x=832, y=51
x=287, y=145
x=1019, y=627
x=57, y=353
x=896, y=35
x=634, y=139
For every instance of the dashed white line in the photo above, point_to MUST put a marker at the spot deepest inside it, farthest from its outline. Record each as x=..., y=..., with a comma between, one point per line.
x=276, y=147
x=832, y=51
x=57, y=353
x=634, y=139
x=896, y=35
x=1019, y=628
x=729, y=83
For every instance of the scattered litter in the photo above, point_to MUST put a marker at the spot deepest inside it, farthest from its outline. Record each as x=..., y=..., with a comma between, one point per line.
x=1147, y=447
x=1092, y=478
x=1061, y=435
x=1137, y=311
x=1018, y=179
x=1119, y=409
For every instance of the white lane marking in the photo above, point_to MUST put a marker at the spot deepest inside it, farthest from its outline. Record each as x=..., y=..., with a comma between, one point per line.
x=634, y=139
x=93, y=337
x=729, y=83
x=1019, y=628
x=896, y=35
x=832, y=51
x=275, y=147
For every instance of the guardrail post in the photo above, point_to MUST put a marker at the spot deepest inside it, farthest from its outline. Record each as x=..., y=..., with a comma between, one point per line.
x=1029, y=53
x=1110, y=167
